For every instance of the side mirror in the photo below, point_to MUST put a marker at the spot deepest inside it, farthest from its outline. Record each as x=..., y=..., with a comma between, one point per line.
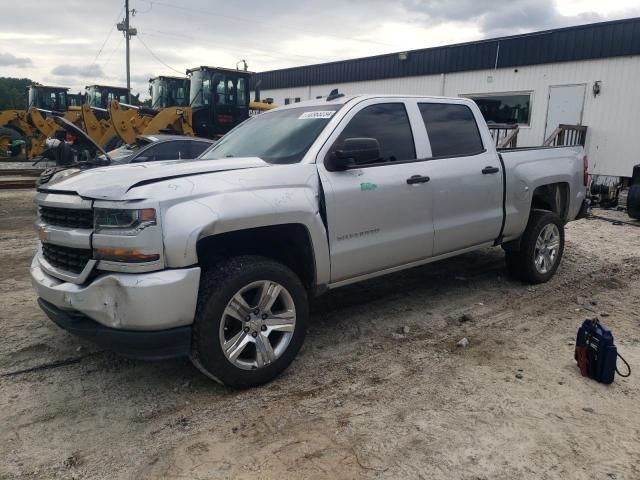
x=354, y=152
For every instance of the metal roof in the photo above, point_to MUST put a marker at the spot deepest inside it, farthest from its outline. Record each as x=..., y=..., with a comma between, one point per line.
x=583, y=42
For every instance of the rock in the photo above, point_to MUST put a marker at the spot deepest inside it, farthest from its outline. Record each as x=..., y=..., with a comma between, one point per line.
x=466, y=317
x=604, y=314
x=519, y=376
x=397, y=336
x=72, y=461
x=463, y=342
x=588, y=410
x=403, y=330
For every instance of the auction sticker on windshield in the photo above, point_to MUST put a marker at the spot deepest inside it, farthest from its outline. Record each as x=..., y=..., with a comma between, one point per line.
x=317, y=114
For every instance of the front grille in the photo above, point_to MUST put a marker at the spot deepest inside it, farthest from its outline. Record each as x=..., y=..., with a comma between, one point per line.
x=67, y=217
x=66, y=258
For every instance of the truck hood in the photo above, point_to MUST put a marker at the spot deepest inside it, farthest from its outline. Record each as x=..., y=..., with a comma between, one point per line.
x=113, y=182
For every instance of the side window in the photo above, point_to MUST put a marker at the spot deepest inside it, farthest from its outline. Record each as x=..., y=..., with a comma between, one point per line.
x=452, y=129
x=167, y=151
x=196, y=148
x=389, y=124
x=242, y=92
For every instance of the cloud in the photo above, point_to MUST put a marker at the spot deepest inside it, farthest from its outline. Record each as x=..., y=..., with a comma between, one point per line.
x=64, y=70
x=9, y=60
x=83, y=45
x=508, y=18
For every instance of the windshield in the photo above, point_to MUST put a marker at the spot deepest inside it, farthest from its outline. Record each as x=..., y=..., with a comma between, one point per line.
x=279, y=136
x=199, y=81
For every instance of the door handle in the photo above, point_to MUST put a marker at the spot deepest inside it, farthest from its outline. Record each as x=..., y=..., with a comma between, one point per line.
x=417, y=179
x=487, y=170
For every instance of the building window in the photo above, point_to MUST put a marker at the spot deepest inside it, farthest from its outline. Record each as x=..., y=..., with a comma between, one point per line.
x=287, y=101
x=504, y=107
x=297, y=100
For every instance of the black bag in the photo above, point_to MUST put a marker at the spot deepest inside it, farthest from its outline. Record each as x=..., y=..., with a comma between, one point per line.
x=596, y=353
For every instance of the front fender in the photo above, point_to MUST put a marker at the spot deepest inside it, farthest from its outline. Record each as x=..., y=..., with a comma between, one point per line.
x=185, y=223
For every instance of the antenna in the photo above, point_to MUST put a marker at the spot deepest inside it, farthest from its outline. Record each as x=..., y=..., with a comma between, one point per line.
x=334, y=94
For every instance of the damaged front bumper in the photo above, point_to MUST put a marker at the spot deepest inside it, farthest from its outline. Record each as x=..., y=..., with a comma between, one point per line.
x=144, y=302
x=145, y=345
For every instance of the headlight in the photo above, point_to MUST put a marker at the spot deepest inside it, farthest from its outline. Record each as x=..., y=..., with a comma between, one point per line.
x=123, y=222
x=63, y=174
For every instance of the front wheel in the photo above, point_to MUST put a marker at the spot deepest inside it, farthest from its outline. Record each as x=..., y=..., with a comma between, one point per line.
x=250, y=322
x=541, y=248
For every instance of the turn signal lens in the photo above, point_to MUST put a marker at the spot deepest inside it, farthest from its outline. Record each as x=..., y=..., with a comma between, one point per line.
x=123, y=255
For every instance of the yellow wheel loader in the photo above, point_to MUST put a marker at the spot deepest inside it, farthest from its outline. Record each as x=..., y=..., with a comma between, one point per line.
x=130, y=121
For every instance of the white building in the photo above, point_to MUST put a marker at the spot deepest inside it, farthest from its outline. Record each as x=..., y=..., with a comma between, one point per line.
x=586, y=75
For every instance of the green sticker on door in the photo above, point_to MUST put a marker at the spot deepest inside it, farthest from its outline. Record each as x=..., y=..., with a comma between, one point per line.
x=366, y=186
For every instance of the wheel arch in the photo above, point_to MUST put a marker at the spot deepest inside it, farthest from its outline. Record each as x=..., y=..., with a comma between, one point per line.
x=554, y=197
x=288, y=243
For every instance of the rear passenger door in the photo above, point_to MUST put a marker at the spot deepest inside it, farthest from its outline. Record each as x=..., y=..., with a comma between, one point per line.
x=466, y=179
x=376, y=219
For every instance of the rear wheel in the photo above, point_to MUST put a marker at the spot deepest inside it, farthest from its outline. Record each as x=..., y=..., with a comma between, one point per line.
x=250, y=322
x=541, y=248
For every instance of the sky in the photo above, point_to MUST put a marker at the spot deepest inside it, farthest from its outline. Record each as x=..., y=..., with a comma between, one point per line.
x=74, y=43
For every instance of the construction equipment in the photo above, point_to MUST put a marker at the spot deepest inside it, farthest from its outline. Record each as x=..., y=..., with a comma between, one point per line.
x=219, y=98
x=168, y=91
x=55, y=100
x=30, y=125
x=100, y=96
x=99, y=127
x=129, y=121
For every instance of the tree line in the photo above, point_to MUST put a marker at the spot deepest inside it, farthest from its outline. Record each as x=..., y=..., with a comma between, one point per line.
x=13, y=93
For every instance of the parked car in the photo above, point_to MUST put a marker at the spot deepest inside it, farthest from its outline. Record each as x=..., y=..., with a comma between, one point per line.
x=216, y=259
x=152, y=148
x=84, y=153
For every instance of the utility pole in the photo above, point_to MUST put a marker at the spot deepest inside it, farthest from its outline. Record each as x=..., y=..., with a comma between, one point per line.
x=128, y=33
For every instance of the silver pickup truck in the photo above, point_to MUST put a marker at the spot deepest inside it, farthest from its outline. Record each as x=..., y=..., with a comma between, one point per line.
x=216, y=258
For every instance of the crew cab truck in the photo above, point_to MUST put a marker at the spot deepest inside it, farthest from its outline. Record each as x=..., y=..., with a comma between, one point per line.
x=216, y=258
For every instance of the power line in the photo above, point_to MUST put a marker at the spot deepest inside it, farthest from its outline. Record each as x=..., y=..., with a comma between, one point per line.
x=265, y=53
x=245, y=20
x=108, y=36
x=156, y=57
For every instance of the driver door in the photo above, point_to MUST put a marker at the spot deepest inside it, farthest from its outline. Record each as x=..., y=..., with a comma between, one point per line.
x=378, y=220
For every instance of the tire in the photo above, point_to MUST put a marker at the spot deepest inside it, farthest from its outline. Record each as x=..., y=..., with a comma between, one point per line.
x=633, y=201
x=243, y=279
x=11, y=133
x=525, y=264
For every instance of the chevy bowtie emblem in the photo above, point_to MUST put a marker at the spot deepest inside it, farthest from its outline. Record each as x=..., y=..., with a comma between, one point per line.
x=42, y=234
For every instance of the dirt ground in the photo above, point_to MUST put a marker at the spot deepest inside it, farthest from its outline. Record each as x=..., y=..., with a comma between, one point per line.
x=380, y=389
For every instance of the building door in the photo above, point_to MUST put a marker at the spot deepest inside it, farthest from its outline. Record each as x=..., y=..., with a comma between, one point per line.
x=566, y=103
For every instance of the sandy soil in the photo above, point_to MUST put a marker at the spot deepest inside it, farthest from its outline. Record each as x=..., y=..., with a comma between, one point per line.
x=362, y=400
